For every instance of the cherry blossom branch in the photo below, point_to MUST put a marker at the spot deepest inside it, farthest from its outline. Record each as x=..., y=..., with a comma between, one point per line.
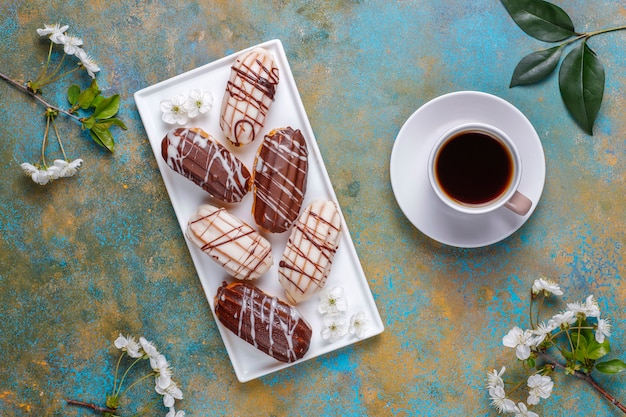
x=92, y=406
x=585, y=377
x=37, y=97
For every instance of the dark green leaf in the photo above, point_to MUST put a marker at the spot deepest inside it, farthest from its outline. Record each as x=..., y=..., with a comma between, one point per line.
x=540, y=19
x=536, y=66
x=580, y=346
x=613, y=366
x=581, y=82
x=72, y=94
x=86, y=98
x=103, y=137
x=107, y=108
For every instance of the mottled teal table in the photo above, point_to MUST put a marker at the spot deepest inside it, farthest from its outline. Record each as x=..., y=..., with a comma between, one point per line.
x=84, y=259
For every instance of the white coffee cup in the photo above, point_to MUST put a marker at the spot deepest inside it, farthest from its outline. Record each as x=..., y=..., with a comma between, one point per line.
x=475, y=168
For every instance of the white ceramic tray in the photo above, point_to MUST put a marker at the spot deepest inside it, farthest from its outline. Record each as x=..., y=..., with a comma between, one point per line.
x=287, y=110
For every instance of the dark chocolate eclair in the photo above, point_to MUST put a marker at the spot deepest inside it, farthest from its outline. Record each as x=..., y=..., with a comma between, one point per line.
x=196, y=155
x=280, y=178
x=264, y=321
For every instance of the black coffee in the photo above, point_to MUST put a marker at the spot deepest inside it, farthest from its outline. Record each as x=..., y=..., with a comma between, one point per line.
x=474, y=168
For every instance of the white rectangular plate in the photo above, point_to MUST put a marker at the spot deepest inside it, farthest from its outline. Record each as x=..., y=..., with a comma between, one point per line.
x=186, y=197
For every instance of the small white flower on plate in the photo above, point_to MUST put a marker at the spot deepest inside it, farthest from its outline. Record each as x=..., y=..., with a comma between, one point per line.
x=335, y=327
x=332, y=301
x=174, y=110
x=198, y=102
x=359, y=324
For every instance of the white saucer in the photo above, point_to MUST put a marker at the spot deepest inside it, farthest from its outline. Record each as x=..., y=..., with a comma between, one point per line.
x=409, y=176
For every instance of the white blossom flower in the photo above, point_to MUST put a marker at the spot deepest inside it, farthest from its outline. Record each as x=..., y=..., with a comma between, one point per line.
x=359, y=324
x=149, y=348
x=71, y=44
x=88, y=62
x=589, y=308
x=332, y=301
x=546, y=286
x=129, y=345
x=164, y=373
x=335, y=327
x=170, y=394
x=67, y=169
x=603, y=330
x=40, y=176
x=494, y=378
x=499, y=400
x=559, y=320
x=543, y=330
x=174, y=110
x=174, y=413
x=198, y=102
x=55, y=31
x=521, y=340
x=522, y=411
x=540, y=386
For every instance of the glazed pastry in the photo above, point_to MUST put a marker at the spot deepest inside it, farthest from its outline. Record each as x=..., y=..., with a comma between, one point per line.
x=264, y=321
x=240, y=249
x=310, y=250
x=196, y=155
x=250, y=92
x=279, y=179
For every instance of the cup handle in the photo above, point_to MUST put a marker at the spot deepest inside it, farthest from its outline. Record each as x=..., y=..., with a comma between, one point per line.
x=519, y=204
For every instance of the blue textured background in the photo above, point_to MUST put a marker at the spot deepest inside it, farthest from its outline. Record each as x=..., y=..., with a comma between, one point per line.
x=84, y=259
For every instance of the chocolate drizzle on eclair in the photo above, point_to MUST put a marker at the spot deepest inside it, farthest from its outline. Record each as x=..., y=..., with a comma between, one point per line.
x=280, y=178
x=310, y=251
x=264, y=321
x=250, y=91
x=194, y=154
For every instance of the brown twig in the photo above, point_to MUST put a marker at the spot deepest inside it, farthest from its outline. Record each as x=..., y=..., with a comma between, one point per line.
x=92, y=406
x=37, y=97
x=588, y=378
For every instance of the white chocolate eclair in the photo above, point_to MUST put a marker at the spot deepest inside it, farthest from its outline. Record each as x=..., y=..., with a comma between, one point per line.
x=230, y=242
x=249, y=94
x=310, y=250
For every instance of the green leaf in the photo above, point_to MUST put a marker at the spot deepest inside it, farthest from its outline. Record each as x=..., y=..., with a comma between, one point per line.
x=614, y=366
x=581, y=82
x=72, y=94
x=97, y=100
x=540, y=19
x=107, y=108
x=112, y=122
x=580, y=346
x=89, y=122
x=102, y=137
x=536, y=66
x=597, y=350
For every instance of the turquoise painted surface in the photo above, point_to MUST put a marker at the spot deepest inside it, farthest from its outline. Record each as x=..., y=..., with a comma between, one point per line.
x=79, y=265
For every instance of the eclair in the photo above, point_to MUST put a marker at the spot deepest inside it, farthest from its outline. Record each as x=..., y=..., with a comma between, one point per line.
x=196, y=155
x=264, y=321
x=249, y=94
x=279, y=179
x=308, y=257
x=230, y=242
